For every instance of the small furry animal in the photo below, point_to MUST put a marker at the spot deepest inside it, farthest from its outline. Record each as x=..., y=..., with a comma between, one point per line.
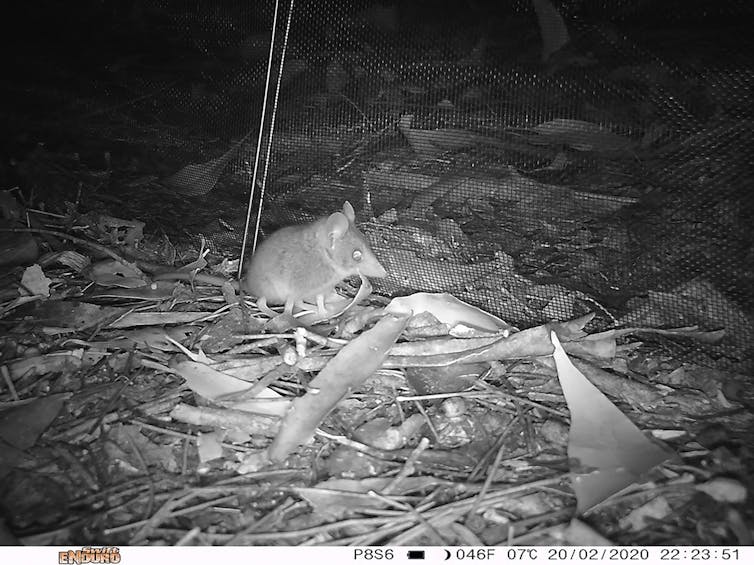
x=304, y=263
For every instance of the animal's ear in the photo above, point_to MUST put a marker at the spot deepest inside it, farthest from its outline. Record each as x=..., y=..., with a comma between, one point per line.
x=348, y=211
x=337, y=226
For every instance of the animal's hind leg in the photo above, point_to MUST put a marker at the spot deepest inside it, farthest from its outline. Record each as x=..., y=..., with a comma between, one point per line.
x=262, y=305
x=289, y=306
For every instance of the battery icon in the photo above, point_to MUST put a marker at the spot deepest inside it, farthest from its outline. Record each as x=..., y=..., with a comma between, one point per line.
x=416, y=554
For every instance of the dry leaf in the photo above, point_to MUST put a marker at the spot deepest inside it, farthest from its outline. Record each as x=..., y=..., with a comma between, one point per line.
x=723, y=489
x=20, y=426
x=57, y=362
x=551, y=27
x=35, y=282
x=579, y=533
x=214, y=385
x=451, y=311
x=241, y=425
x=656, y=509
x=209, y=446
x=580, y=135
x=201, y=178
x=432, y=142
x=353, y=365
x=380, y=432
x=115, y=273
x=610, y=451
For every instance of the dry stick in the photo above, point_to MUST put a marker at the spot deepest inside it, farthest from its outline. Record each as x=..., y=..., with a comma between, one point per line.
x=482, y=394
x=388, y=521
x=316, y=530
x=408, y=534
x=233, y=482
x=185, y=456
x=187, y=437
x=47, y=538
x=491, y=470
x=309, y=532
x=433, y=533
x=134, y=486
x=630, y=496
x=217, y=489
x=475, y=472
x=443, y=513
x=56, y=535
x=89, y=424
x=532, y=403
x=189, y=537
x=523, y=414
x=140, y=457
x=427, y=419
x=358, y=446
x=77, y=466
x=110, y=406
x=437, y=514
x=266, y=380
x=373, y=537
x=268, y=519
x=210, y=538
x=73, y=238
x=466, y=535
x=9, y=382
x=408, y=467
x=528, y=537
x=165, y=513
x=454, y=509
x=561, y=515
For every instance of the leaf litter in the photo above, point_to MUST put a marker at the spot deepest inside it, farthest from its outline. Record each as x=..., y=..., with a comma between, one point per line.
x=153, y=408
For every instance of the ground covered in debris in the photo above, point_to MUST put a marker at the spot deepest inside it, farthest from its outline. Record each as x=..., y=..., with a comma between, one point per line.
x=169, y=412
x=560, y=353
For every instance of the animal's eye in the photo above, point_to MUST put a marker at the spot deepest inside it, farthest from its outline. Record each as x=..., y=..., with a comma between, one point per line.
x=357, y=255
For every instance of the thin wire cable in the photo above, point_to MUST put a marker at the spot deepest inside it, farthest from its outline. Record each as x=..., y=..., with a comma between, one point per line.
x=272, y=122
x=261, y=133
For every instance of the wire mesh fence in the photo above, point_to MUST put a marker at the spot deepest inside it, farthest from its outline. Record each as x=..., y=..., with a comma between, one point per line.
x=615, y=168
